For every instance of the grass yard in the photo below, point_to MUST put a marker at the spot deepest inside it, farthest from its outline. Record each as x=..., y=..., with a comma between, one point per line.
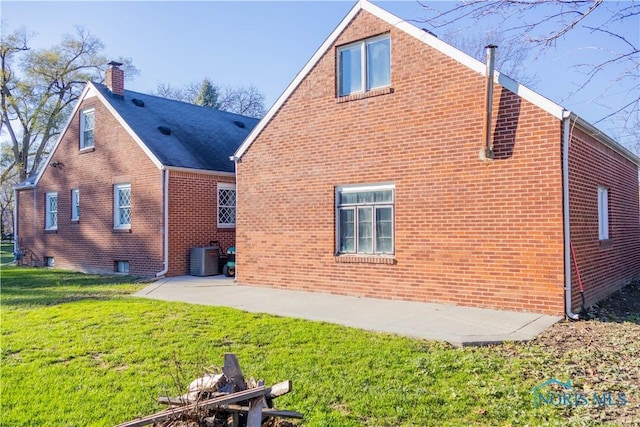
x=78, y=350
x=6, y=253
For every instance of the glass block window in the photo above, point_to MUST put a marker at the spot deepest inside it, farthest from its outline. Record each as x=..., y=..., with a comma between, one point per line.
x=122, y=206
x=87, y=125
x=226, y=205
x=365, y=219
x=51, y=211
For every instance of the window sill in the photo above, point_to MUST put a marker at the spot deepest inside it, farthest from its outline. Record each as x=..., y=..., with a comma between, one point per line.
x=51, y=231
x=87, y=150
x=227, y=227
x=365, y=259
x=122, y=230
x=604, y=244
x=363, y=95
x=75, y=221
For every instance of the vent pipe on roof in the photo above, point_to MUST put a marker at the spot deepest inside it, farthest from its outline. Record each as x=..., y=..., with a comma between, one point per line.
x=487, y=151
x=114, y=79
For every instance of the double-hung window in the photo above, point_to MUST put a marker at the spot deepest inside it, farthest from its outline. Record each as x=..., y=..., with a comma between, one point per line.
x=365, y=219
x=51, y=211
x=226, y=205
x=87, y=124
x=75, y=205
x=122, y=206
x=603, y=213
x=364, y=65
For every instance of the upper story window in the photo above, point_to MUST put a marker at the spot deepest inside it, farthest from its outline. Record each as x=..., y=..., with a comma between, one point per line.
x=364, y=65
x=122, y=206
x=87, y=124
x=603, y=213
x=75, y=205
x=365, y=219
x=226, y=205
x=51, y=211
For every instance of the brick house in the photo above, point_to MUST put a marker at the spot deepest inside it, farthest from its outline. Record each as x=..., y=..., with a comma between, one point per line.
x=372, y=175
x=133, y=183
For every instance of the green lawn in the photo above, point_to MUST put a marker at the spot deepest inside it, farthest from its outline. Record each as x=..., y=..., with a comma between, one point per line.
x=6, y=253
x=78, y=350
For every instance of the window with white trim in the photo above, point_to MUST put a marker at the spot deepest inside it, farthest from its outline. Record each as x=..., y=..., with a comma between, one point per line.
x=75, y=205
x=364, y=65
x=121, y=267
x=226, y=205
x=122, y=206
x=603, y=213
x=51, y=211
x=87, y=125
x=365, y=219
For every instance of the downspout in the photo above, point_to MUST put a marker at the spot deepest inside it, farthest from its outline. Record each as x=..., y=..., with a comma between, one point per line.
x=486, y=153
x=16, y=246
x=566, y=123
x=165, y=231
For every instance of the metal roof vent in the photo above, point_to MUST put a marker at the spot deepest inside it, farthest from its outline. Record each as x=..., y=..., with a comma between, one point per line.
x=239, y=124
x=138, y=102
x=164, y=130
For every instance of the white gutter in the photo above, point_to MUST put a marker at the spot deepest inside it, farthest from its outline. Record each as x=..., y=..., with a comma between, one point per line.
x=566, y=129
x=165, y=229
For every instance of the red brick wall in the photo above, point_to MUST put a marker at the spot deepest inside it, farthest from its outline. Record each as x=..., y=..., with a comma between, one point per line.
x=193, y=217
x=468, y=232
x=604, y=266
x=91, y=243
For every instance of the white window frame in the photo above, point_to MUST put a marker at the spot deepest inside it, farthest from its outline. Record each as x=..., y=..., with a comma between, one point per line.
x=116, y=207
x=222, y=186
x=365, y=84
x=75, y=204
x=83, y=128
x=51, y=216
x=375, y=206
x=603, y=213
x=121, y=267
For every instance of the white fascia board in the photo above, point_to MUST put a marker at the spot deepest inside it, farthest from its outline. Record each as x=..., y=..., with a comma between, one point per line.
x=467, y=60
x=296, y=81
x=126, y=127
x=87, y=92
x=200, y=171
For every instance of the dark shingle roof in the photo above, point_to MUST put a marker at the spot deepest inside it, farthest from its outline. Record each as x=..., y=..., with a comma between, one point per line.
x=181, y=134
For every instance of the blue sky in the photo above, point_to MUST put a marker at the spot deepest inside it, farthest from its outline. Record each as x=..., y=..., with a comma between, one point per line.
x=266, y=43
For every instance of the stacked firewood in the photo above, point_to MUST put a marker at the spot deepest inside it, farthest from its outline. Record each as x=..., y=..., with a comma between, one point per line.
x=221, y=400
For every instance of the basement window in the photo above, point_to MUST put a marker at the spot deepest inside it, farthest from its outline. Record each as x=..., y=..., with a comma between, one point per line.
x=121, y=267
x=49, y=261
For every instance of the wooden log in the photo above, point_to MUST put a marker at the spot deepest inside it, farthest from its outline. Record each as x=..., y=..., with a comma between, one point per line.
x=174, y=413
x=231, y=370
x=266, y=412
x=254, y=416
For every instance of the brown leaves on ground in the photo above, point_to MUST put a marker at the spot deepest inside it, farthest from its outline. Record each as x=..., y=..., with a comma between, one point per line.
x=598, y=355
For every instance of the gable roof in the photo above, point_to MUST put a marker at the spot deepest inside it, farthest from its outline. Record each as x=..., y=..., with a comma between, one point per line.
x=508, y=83
x=201, y=139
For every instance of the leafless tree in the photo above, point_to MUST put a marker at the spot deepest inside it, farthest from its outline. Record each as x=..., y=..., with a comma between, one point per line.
x=542, y=24
x=38, y=90
x=248, y=101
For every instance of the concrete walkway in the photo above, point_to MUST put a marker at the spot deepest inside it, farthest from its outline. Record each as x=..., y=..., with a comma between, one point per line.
x=460, y=326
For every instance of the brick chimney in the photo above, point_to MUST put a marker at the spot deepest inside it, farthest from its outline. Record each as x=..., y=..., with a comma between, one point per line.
x=114, y=79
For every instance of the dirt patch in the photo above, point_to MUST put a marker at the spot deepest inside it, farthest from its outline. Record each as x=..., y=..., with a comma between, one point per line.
x=599, y=355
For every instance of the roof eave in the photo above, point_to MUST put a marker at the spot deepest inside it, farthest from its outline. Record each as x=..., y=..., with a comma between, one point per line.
x=604, y=138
